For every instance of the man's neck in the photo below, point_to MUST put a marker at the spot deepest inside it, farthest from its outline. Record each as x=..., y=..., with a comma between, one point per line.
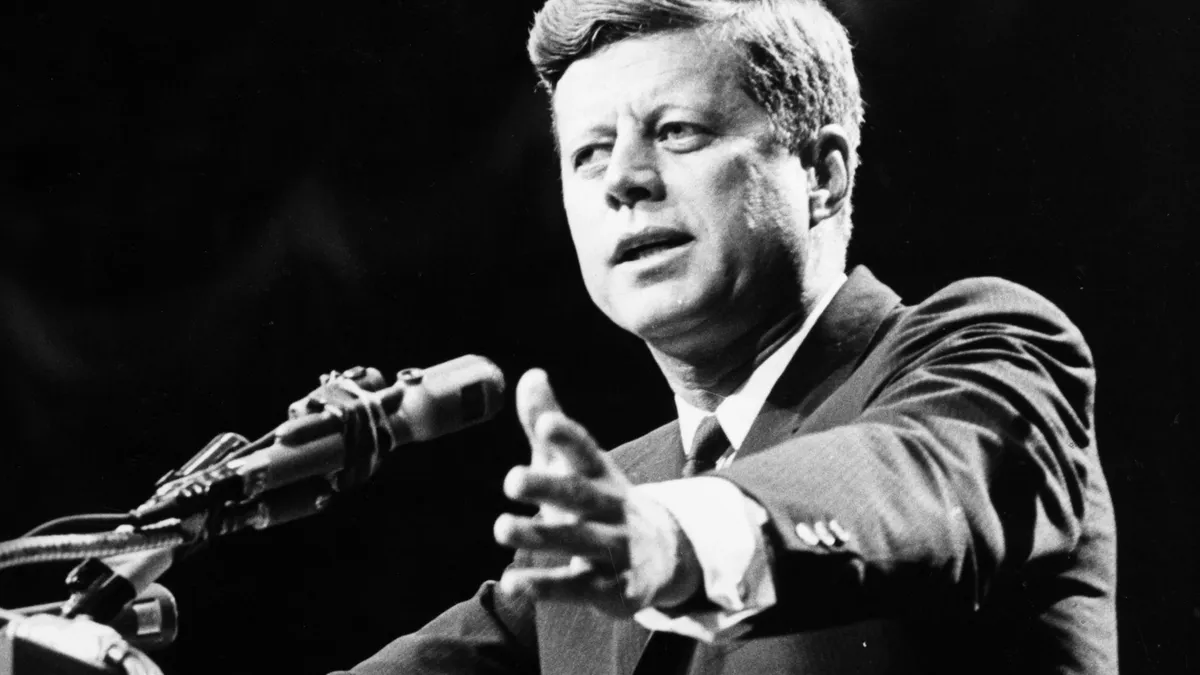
x=705, y=376
x=705, y=380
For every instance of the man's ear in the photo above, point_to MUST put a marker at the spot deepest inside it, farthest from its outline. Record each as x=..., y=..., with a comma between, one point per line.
x=827, y=163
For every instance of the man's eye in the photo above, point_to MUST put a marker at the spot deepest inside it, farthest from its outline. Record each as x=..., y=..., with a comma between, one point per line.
x=589, y=155
x=682, y=135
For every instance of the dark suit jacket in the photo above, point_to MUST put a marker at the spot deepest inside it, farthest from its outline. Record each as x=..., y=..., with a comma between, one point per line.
x=953, y=441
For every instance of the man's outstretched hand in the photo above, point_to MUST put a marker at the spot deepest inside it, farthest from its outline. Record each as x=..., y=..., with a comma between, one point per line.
x=626, y=550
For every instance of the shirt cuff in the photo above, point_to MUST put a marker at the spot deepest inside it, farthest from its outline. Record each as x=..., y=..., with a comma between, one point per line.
x=724, y=527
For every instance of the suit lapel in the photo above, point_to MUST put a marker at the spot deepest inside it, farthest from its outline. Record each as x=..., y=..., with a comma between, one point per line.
x=824, y=360
x=655, y=457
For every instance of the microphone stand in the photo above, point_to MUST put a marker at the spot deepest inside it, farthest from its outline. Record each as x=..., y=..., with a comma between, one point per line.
x=47, y=639
x=332, y=441
x=44, y=643
x=113, y=585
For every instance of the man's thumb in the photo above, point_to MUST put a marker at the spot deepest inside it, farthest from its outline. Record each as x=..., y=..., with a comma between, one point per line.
x=534, y=397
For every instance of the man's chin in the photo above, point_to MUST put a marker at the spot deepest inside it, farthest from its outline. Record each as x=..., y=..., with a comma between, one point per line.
x=658, y=317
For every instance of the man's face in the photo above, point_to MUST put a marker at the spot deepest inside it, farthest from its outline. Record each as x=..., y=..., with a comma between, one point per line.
x=688, y=218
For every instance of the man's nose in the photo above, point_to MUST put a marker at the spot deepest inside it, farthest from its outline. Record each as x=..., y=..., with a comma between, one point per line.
x=632, y=175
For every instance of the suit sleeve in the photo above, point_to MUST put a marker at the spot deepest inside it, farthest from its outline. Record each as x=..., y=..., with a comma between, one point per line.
x=966, y=463
x=490, y=634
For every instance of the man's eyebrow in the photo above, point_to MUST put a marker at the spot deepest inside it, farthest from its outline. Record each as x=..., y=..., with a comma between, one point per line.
x=652, y=112
x=568, y=144
x=583, y=133
x=703, y=108
x=707, y=107
x=593, y=129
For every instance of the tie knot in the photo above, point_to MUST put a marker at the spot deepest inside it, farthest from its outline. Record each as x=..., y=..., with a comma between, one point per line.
x=708, y=445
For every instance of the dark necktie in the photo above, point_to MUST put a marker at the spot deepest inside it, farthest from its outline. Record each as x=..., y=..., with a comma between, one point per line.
x=670, y=653
x=708, y=445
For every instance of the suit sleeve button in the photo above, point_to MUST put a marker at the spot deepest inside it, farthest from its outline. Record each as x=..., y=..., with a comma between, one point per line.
x=806, y=534
x=824, y=534
x=840, y=532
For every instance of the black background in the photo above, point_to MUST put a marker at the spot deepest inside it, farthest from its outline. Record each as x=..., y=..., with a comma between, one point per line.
x=203, y=207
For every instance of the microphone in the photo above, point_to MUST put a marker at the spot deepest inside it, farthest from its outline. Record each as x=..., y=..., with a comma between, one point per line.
x=338, y=432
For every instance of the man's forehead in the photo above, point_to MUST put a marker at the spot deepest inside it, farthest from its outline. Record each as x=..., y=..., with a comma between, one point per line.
x=673, y=69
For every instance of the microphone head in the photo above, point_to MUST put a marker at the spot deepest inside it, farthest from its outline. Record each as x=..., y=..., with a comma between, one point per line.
x=445, y=398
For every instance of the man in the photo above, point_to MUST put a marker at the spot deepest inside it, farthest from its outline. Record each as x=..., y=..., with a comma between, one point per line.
x=882, y=488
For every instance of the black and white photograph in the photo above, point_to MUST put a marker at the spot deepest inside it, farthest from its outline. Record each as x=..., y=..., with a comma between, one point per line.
x=598, y=337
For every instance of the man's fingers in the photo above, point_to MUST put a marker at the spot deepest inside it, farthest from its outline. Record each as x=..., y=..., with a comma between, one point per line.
x=605, y=544
x=534, y=397
x=570, y=440
x=578, y=582
x=555, y=438
x=570, y=492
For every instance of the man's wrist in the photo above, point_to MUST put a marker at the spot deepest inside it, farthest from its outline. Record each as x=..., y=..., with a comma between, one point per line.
x=688, y=579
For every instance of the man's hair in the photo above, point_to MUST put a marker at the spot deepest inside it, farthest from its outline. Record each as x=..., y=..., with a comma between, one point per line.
x=795, y=55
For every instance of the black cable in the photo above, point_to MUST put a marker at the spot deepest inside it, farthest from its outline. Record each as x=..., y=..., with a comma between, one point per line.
x=92, y=520
x=96, y=521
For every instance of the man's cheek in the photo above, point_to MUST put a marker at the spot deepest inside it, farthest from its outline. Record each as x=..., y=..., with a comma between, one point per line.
x=596, y=279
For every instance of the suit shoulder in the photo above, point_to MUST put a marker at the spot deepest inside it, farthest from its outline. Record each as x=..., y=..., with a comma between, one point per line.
x=984, y=300
x=973, y=311
x=991, y=295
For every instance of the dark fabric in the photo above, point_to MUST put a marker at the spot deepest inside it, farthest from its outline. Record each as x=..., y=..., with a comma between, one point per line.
x=708, y=445
x=670, y=652
x=666, y=654
x=952, y=441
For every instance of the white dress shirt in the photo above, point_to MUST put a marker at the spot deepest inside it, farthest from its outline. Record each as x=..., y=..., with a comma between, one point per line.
x=723, y=525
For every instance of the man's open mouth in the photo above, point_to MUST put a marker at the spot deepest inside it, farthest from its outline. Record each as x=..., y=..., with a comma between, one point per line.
x=648, y=242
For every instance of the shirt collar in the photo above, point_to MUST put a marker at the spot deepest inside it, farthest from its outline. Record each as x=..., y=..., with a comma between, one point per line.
x=737, y=412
